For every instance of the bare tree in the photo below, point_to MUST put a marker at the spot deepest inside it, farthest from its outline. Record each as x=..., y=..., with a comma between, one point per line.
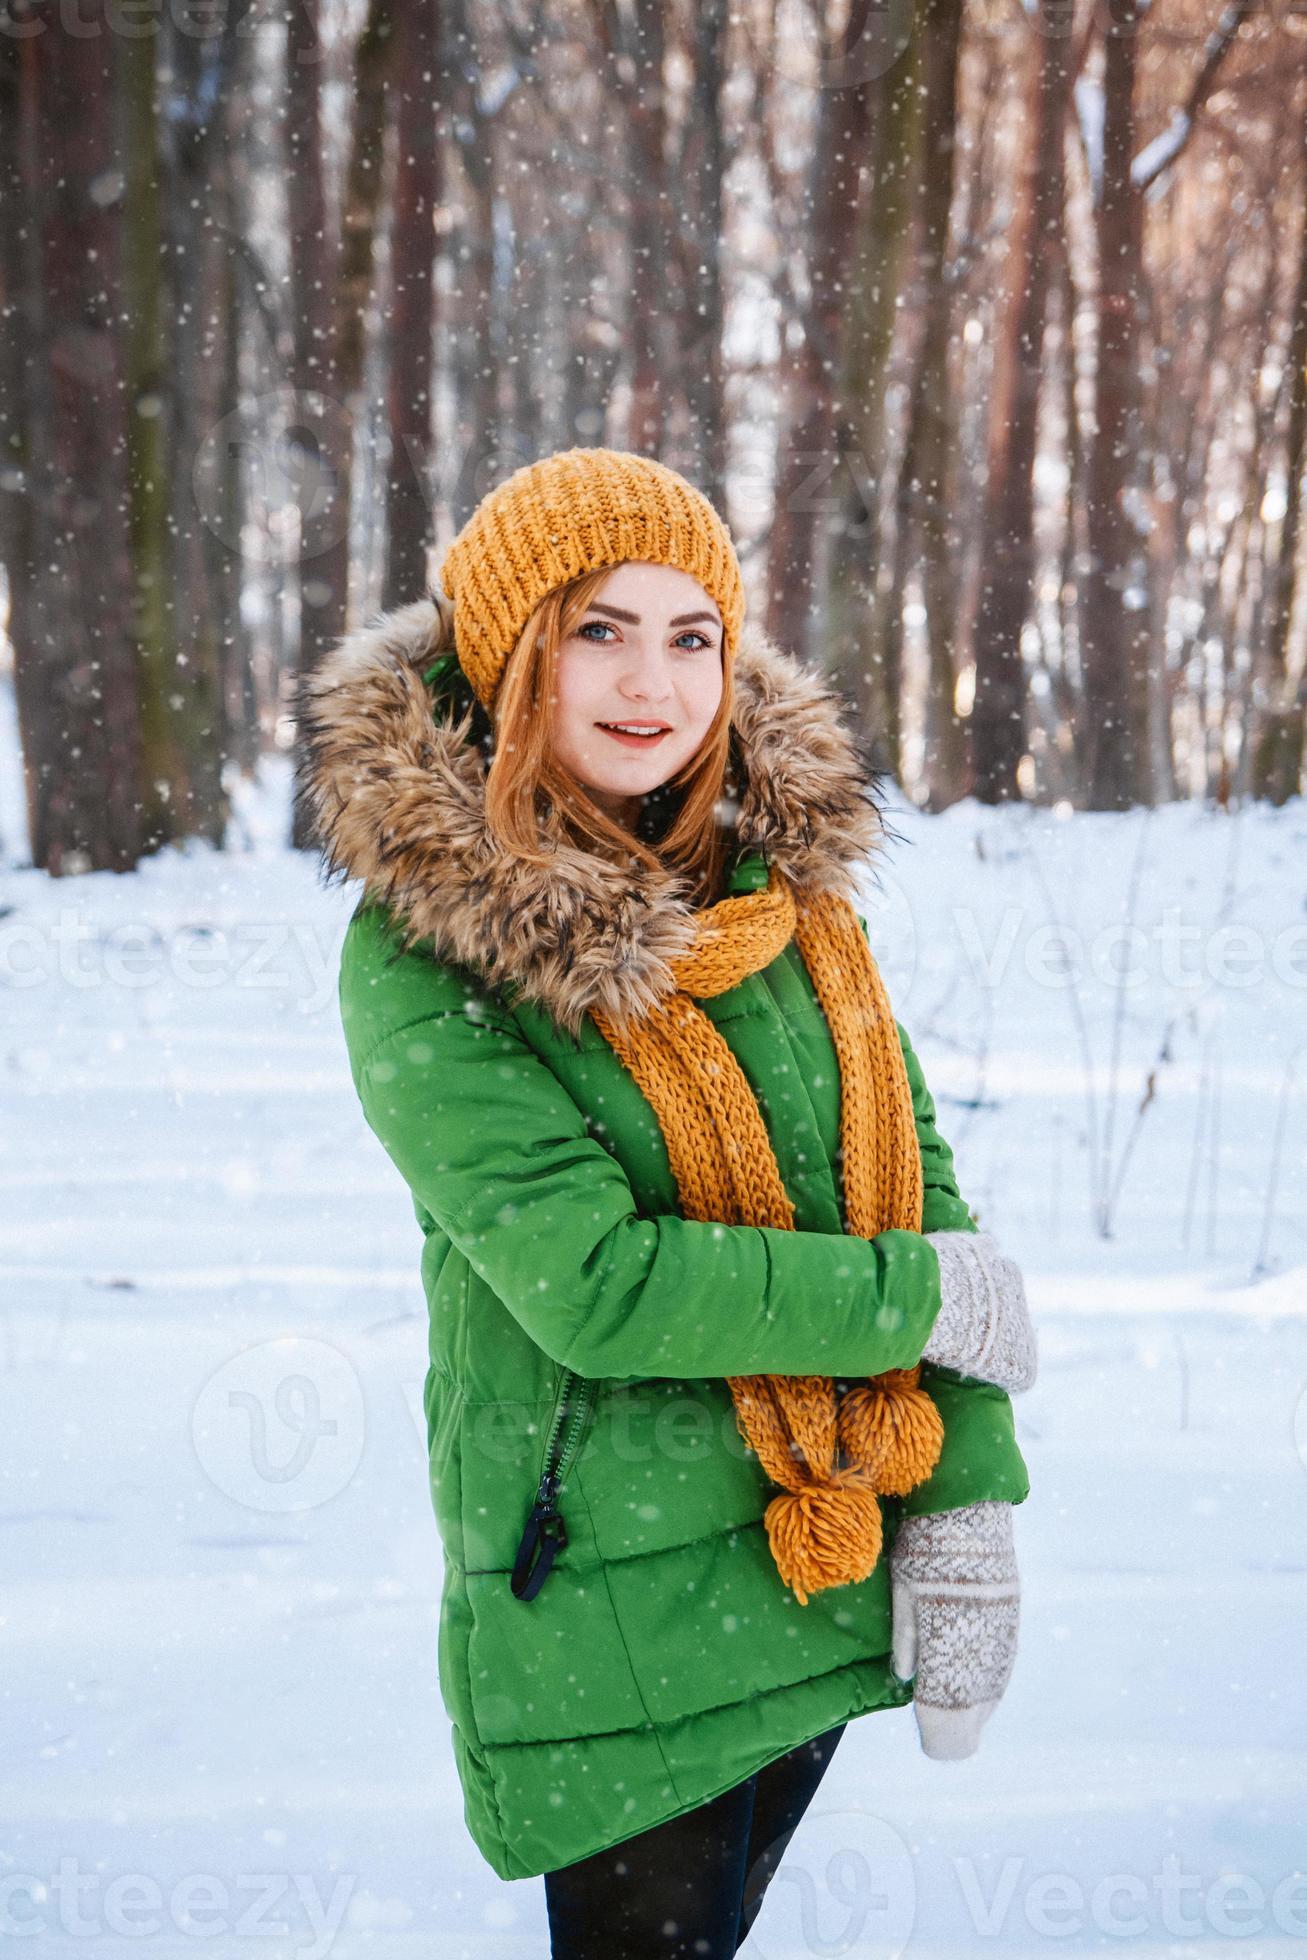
x=412, y=303
x=476, y=308
x=19, y=353
x=328, y=417
x=926, y=529
x=702, y=157
x=75, y=654
x=998, y=717
x=861, y=638
x=806, y=460
x=1116, y=651
x=184, y=683
x=1281, y=727
x=634, y=50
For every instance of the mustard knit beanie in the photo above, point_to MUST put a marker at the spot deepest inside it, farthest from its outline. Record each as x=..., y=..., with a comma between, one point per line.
x=570, y=513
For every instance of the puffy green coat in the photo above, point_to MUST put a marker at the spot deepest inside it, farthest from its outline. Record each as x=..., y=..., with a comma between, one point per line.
x=616, y=1644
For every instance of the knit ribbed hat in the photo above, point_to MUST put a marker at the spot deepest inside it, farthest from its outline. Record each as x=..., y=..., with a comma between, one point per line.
x=570, y=513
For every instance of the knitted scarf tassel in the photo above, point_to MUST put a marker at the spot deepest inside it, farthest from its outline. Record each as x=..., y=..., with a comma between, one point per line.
x=832, y=1456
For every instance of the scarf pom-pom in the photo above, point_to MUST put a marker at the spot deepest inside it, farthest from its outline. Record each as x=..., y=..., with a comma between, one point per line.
x=826, y=1534
x=892, y=1431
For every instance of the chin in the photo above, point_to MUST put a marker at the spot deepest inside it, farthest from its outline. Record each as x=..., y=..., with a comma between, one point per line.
x=631, y=786
x=623, y=776
x=643, y=775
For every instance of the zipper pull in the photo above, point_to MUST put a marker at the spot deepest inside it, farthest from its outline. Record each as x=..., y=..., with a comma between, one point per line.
x=544, y=1537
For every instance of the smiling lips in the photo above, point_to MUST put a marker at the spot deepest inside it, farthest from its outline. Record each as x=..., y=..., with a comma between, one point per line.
x=635, y=734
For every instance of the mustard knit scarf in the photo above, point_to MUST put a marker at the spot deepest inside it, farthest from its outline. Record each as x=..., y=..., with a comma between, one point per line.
x=824, y=1527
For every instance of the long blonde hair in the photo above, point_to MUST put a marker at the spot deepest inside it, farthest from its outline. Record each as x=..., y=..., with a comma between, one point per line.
x=525, y=777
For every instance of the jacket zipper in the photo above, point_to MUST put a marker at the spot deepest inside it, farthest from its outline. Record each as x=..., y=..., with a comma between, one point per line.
x=545, y=1534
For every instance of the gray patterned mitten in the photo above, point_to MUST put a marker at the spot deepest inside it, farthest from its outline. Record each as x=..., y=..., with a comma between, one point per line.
x=956, y=1600
x=983, y=1328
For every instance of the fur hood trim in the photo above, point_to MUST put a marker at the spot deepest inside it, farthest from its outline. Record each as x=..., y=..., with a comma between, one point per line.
x=394, y=792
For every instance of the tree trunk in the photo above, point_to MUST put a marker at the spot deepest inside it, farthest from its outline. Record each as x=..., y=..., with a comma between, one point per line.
x=472, y=317
x=240, y=693
x=412, y=305
x=635, y=57
x=203, y=532
x=1114, y=730
x=19, y=353
x=1281, y=720
x=859, y=642
x=998, y=718
x=253, y=655
x=926, y=525
x=806, y=460
x=701, y=171
x=150, y=395
x=76, y=663
x=317, y=437
x=329, y=422
x=527, y=232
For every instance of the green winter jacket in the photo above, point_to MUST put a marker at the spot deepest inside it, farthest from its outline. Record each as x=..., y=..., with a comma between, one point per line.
x=616, y=1644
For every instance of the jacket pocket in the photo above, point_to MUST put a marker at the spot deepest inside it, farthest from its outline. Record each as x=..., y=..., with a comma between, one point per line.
x=667, y=1464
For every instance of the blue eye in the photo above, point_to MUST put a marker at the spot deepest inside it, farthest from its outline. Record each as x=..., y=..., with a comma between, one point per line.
x=605, y=626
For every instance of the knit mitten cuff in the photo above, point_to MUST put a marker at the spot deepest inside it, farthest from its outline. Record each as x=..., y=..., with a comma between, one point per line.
x=983, y=1328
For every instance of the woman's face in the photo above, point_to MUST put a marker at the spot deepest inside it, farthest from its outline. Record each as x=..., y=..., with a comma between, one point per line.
x=646, y=653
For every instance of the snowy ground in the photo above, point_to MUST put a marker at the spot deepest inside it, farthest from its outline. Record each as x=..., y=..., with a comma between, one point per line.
x=220, y=1567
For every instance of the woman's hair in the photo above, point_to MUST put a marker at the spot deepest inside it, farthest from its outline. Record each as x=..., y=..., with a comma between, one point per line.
x=683, y=825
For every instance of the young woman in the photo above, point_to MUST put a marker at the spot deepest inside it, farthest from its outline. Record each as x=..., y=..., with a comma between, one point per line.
x=721, y=1445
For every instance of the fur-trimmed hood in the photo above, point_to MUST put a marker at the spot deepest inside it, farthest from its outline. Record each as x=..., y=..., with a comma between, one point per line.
x=392, y=783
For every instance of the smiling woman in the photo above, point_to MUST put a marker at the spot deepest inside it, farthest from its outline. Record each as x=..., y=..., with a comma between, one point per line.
x=637, y=684
x=616, y=647
x=687, y=1221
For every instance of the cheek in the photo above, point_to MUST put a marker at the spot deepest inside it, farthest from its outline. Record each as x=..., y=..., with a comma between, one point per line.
x=707, y=698
x=572, y=699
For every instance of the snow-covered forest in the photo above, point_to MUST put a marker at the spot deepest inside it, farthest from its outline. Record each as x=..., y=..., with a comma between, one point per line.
x=986, y=330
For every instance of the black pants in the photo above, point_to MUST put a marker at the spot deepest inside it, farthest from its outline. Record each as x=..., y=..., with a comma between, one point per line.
x=691, y=1888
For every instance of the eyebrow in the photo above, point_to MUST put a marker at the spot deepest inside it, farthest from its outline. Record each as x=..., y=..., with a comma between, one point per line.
x=633, y=619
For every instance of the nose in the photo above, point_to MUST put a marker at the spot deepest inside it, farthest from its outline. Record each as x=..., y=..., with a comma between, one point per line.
x=648, y=678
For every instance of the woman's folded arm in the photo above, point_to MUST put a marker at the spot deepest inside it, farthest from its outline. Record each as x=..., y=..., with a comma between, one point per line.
x=496, y=1151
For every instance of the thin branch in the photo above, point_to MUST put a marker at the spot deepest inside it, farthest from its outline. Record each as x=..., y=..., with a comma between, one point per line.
x=1161, y=153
